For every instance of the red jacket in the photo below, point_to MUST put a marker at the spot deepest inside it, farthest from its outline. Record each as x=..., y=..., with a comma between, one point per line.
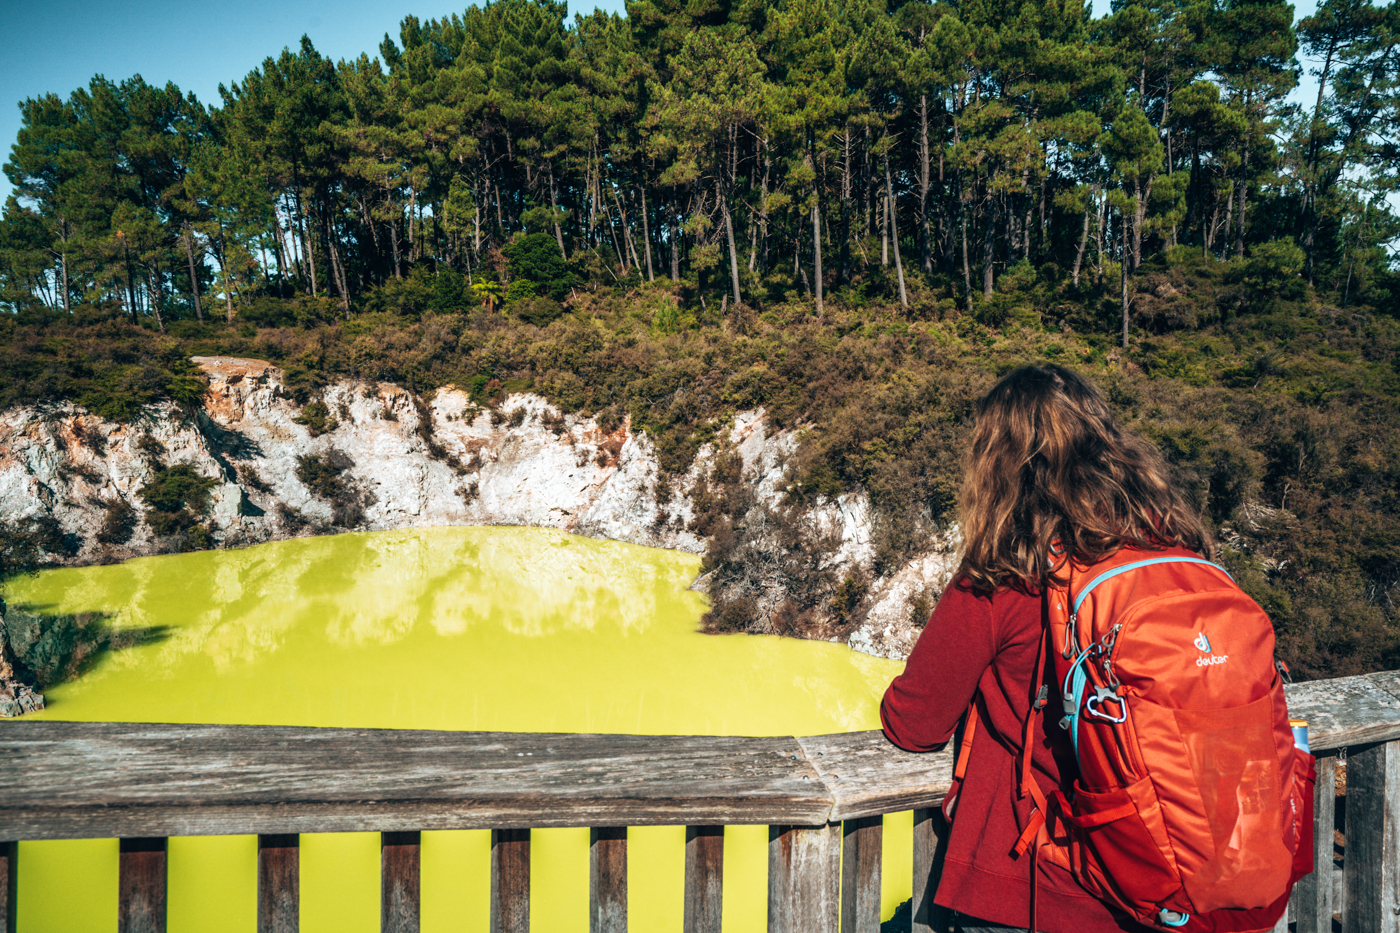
x=978, y=643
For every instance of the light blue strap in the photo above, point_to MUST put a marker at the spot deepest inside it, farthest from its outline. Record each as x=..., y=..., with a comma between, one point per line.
x=1073, y=687
x=1109, y=574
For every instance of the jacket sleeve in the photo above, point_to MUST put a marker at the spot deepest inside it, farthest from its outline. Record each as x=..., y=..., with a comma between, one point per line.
x=923, y=705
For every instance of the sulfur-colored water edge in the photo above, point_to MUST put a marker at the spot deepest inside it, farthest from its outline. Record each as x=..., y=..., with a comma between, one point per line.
x=495, y=629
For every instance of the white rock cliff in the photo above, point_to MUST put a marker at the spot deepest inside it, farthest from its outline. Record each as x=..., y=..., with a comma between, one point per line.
x=523, y=464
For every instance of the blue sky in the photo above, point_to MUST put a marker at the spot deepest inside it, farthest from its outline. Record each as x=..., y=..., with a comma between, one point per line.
x=58, y=45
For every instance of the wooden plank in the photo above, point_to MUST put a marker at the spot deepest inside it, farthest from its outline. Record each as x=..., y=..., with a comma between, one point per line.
x=1311, y=904
x=400, y=868
x=704, y=879
x=1345, y=711
x=82, y=780
x=930, y=845
x=861, y=841
x=607, y=879
x=141, y=885
x=925, y=884
x=510, y=881
x=866, y=775
x=279, y=883
x=804, y=864
x=1372, y=862
x=69, y=780
x=9, y=885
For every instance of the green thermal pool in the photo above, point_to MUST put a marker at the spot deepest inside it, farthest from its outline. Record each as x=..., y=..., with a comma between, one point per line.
x=497, y=629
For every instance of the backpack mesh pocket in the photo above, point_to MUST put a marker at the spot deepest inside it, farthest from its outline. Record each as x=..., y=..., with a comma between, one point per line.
x=1234, y=760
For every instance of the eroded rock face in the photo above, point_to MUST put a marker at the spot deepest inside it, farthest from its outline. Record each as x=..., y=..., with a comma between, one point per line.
x=17, y=696
x=408, y=462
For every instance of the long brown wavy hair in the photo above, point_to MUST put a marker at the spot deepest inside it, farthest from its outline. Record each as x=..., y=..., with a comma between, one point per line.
x=1051, y=475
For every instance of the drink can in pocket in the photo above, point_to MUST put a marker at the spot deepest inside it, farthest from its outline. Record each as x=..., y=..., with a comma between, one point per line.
x=1300, y=734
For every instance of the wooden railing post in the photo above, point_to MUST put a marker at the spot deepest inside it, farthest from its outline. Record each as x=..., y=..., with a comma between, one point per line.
x=141, y=885
x=861, y=841
x=804, y=864
x=704, y=879
x=400, y=860
x=1311, y=905
x=510, y=881
x=607, y=879
x=279, y=883
x=1372, y=863
x=9, y=885
x=930, y=841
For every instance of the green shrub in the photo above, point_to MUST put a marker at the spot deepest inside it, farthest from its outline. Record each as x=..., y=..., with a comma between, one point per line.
x=323, y=475
x=118, y=522
x=176, y=498
x=317, y=418
x=535, y=258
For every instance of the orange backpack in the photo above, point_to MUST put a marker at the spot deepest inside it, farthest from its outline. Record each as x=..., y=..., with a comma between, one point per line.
x=1193, y=809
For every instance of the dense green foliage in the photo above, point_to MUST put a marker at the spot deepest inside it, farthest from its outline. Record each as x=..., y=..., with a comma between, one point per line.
x=177, y=498
x=1284, y=420
x=747, y=151
x=855, y=216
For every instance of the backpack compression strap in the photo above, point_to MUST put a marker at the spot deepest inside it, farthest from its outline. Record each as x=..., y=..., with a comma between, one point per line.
x=950, y=800
x=1110, y=574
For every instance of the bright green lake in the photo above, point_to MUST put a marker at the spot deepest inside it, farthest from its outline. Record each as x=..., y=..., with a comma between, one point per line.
x=496, y=629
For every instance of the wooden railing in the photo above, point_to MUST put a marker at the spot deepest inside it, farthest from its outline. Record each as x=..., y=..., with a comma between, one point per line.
x=821, y=796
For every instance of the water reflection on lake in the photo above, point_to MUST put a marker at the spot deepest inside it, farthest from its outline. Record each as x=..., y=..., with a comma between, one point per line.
x=510, y=629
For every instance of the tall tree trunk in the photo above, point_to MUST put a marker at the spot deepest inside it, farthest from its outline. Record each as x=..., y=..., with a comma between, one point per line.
x=674, y=235
x=1083, y=241
x=1229, y=220
x=225, y=275
x=871, y=201
x=1310, y=213
x=1139, y=212
x=338, y=270
x=989, y=223
x=1028, y=219
x=816, y=252
x=646, y=230
x=894, y=234
x=966, y=268
x=1100, y=235
x=1244, y=185
x=612, y=232
x=151, y=276
x=626, y=230
x=733, y=253
x=194, y=276
x=764, y=237
x=554, y=206
x=63, y=263
x=884, y=222
x=845, y=257
x=307, y=247
x=1123, y=277
x=925, y=250
x=130, y=288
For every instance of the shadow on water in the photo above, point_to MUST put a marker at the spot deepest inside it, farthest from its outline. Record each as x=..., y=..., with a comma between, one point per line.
x=60, y=648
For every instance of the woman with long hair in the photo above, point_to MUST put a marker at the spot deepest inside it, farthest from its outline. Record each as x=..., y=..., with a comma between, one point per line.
x=1051, y=480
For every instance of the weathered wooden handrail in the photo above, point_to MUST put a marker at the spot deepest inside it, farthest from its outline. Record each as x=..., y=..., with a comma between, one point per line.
x=143, y=783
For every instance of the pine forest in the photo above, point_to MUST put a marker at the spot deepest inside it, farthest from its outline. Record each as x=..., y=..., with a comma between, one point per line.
x=853, y=214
